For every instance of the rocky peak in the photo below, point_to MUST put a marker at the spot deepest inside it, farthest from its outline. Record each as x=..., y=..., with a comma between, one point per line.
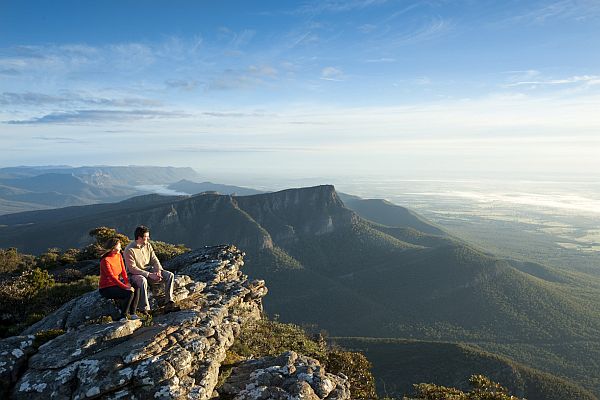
x=294, y=212
x=176, y=356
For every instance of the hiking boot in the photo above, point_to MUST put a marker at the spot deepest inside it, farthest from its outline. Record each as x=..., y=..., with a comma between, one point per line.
x=171, y=306
x=133, y=317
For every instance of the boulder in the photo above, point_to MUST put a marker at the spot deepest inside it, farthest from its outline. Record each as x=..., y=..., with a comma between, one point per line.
x=288, y=376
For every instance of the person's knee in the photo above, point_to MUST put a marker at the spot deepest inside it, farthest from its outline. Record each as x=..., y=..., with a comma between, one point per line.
x=140, y=281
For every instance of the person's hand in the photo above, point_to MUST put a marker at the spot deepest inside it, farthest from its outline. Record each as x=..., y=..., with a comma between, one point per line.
x=129, y=287
x=154, y=277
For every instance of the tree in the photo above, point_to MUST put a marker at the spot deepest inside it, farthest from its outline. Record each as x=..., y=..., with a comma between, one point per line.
x=11, y=260
x=101, y=235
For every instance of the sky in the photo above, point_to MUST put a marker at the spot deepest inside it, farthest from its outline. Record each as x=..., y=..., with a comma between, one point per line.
x=326, y=88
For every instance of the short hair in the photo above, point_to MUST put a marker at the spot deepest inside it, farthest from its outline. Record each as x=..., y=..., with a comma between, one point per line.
x=140, y=231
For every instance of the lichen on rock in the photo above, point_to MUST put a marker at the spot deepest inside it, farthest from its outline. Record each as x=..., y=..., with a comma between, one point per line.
x=288, y=376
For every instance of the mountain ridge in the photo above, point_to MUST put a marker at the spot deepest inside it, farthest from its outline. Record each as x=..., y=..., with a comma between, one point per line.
x=32, y=188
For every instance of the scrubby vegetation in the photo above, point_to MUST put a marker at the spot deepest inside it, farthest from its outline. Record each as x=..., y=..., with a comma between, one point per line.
x=12, y=261
x=166, y=251
x=482, y=389
x=30, y=296
x=46, y=336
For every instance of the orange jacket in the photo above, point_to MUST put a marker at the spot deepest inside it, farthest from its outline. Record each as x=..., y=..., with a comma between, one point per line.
x=111, y=268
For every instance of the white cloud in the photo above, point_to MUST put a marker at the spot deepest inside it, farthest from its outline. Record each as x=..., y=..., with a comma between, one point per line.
x=381, y=60
x=263, y=70
x=434, y=29
x=71, y=98
x=367, y=28
x=577, y=10
x=183, y=84
x=321, y=6
x=332, y=74
x=249, y=78
x=97, y=116
x=587, y=79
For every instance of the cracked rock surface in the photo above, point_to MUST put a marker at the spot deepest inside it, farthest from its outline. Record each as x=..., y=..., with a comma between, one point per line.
x=176, y=357
x=288, y=376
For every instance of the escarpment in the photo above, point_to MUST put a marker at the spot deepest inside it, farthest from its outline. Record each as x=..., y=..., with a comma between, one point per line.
x=176, y=355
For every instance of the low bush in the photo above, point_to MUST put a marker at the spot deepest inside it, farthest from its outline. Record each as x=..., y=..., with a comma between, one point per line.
x=68, y=275
x=46, y=336
x=12, y=261
x=166, y=251
x=482, y=389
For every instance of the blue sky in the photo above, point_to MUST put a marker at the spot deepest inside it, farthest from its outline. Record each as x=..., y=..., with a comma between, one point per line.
x=323, y=88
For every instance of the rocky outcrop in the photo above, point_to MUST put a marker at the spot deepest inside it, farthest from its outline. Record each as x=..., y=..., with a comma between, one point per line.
x=92, y=307
x=288, y=376
x=14, y=353
x=177, y=355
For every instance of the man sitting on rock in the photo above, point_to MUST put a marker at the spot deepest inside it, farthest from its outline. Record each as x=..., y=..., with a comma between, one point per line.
x=138, y=255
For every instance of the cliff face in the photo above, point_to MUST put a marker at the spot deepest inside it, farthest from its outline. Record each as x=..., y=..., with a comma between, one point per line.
x=177, y=355
x=290, y=214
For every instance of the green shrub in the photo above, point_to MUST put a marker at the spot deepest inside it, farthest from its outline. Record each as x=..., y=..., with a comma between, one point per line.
x=270, y=338
x=101, y=236
x=12, y=261
x=103, y=233
x=70, y=256
x=482, y=389
x=33, y=318
x=60, y=293
x=166, y=251
x=358, y=370
x=45, y=336
x=105, y=319
x=68, y=275
x=49, y=259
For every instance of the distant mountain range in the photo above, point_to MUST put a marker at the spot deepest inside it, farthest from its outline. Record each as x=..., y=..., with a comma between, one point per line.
x=190, y=187
x=391, y=275
x=39, y=188
x=107, y=175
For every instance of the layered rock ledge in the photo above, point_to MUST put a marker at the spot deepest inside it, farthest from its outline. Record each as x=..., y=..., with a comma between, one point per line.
x=177, y=356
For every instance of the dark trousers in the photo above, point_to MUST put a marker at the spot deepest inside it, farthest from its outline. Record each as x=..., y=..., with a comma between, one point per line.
x=128, y=300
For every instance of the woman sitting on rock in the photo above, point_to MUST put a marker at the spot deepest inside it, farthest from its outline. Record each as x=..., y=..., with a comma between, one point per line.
x=114, y=283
